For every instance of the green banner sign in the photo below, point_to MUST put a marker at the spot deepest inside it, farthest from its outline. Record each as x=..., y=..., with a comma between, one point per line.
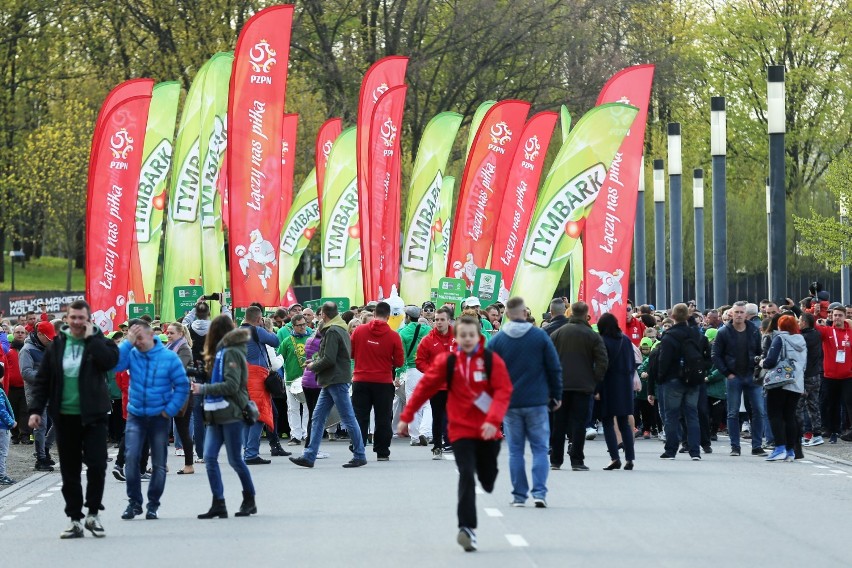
x=452, y=291
x=185, y=298
x=486, y=286
x=139, y=310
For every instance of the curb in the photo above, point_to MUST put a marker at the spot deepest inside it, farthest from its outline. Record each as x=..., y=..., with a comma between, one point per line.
x=827, y=457
x=21, y=485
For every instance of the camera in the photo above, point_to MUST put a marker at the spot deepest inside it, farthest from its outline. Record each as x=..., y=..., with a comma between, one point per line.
x=198, y=373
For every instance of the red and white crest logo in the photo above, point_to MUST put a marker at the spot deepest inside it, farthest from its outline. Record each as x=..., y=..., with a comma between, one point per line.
x=532, y=149
x=121, y=144
x=379, y=91
x=326, y=148
x=262, y=57
x=500, y=133
x=388, y=133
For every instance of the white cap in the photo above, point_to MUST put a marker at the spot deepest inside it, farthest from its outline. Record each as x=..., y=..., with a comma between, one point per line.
x=472, y=301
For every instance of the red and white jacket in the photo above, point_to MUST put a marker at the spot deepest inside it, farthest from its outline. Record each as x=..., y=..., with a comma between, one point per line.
x=836, y=339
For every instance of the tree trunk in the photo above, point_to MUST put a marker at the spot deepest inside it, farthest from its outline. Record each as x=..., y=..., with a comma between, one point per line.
x=69, y=271
x=3, y=253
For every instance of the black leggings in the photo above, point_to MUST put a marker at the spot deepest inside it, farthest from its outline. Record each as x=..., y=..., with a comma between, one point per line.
x=781, y=410
x=311, y=397
x=474, y=458
x=439, y=418
x=182, y=426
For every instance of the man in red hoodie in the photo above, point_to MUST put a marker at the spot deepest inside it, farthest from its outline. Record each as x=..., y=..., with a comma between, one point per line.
x=377, y=351
x=477, y=400
x=837, y=372
x=438, y=342
x=635, y=329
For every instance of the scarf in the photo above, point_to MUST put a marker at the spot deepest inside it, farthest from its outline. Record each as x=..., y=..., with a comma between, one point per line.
x=216, y=402
x=176, y=345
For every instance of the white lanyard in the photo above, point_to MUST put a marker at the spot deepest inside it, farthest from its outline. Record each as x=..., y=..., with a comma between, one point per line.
x=836, y=344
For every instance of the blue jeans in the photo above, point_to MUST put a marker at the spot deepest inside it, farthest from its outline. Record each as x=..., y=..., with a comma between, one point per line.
x=335, y=395
x=737, y=387
x=44, y=437
x=251, y=439
x=533, y=424
x=198, y=429
x=231, y=435
x=156, y=430
x=680, y=398
x=5, y=436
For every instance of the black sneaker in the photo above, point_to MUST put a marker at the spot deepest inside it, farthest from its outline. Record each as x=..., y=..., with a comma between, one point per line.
x=683, y=450
x=281, y=452
x=94, y=526
x=74, y=530
x=467, y=539
x=735, y=453
x=118, y=473
x=152, y=515
x=696, y=458
x=132, y=511
x=580, y=467
x=258, y=461
x=758, y=452
x=354, y=463
x=301, y=461
x=43, y=466
x=665, y=456
x=707, y=449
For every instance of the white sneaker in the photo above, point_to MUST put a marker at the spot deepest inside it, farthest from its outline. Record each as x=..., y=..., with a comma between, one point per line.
x=815, y=441
x=467, y=539
x=322, y=455
x=746, y=426
x=94, y=526
x=591, y=433
x=74, y=530
x=179, y=452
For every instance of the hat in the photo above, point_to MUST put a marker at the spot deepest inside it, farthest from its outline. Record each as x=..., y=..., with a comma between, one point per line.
x=835, y=306
x=471, y=302
x=711, y=333
x=412, y=312
x=46, y=328
x=371, y=306
x=294, y=306
x=646, y=342
x=428, y=305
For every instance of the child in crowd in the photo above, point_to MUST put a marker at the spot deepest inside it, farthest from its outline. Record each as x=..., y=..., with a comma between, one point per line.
x=7, y=423
x=716, y=393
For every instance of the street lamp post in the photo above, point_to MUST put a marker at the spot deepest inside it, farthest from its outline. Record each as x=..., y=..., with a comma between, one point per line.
x=768, y=238
x=675, y=212
x=718, y=151
x=844, y=268
x=776, y=119
x=698, y=207
x=660, y=233
x=639, y=270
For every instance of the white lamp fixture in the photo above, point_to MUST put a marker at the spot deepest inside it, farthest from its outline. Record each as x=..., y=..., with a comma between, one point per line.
x=675, y=166
x=642, y=176
x=768, y=199
x=718, y=127
x=775, y=92
x=659, y=182
x=698, y=188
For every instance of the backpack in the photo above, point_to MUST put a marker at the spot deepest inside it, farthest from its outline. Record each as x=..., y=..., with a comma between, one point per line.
x=451, y=366
x=693, y=360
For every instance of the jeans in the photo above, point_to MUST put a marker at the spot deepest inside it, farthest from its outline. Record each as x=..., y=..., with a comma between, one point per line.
x=379, y=398
x=44, y=437
x=337, y=396
x=198, y=429
x=522, y=424
x=231, y=435
x=681, y=398
x=79, y=444
x=312, y=397
x=5, y=438
x=422, y=423
x=251, y=439
x=479, y=458
x=737, y=387
x=156, y=430
x=571, y=418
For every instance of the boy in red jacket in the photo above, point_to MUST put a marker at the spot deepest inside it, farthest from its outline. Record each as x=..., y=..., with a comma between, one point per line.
x=377, y=351
x=476, y=403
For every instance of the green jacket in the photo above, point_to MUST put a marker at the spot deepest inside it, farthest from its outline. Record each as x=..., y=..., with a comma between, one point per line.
x=412, y=334
x=333, y=362
x=643, y=368
x=716, y=386
x=292, y=348
x=234, y=387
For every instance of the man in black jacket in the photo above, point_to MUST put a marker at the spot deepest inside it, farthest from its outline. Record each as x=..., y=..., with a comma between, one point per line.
x=813, y=377
x=72, y=384
x=557, y=316
x=584, y=362
x=677, y=395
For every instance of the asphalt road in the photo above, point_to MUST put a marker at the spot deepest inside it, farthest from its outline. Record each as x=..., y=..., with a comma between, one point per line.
x=720, y=511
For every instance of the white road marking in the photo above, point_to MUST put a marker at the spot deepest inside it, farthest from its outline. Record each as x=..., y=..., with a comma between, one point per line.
x=493, y=512
x=33, y=502
x=804, y=461
x=516, y=540
x=21, y=510
x=43, y=495
x=825, y=474
x=7, y=517
x=479, y=490
x=450, y=457
x=821, y=466
x=838, y=471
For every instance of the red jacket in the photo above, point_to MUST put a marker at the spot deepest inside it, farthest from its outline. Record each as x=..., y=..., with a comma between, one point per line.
x=836, y=339
x=377, y=351
x=635, y=331
x=122, y=379
x=465, y=419
x=13, y=376
x=432, y=346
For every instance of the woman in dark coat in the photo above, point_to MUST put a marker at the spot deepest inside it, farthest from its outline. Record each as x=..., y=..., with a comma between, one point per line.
x=616, y=391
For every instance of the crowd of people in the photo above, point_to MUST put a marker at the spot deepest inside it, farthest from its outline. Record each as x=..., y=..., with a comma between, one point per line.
x=777, y=375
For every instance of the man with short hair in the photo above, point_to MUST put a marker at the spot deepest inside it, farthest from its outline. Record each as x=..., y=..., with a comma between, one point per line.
x=292, y=349
x=536, y=375
x=470, y=307
x=734, y=351
x=258, y=368
x=678, y=395
x=158, y=390
x=428, y=311
x=440, y=340
x=19, y=333
x=72, y=384
x=309, y=317
x=332, y=367
x=584, y=360
x=412, y=335
x=753, y=313
x=836, y=387
x=771, y=310
x=377, y=351
x=712, y=320
x=557, y=316
x=29, y=360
